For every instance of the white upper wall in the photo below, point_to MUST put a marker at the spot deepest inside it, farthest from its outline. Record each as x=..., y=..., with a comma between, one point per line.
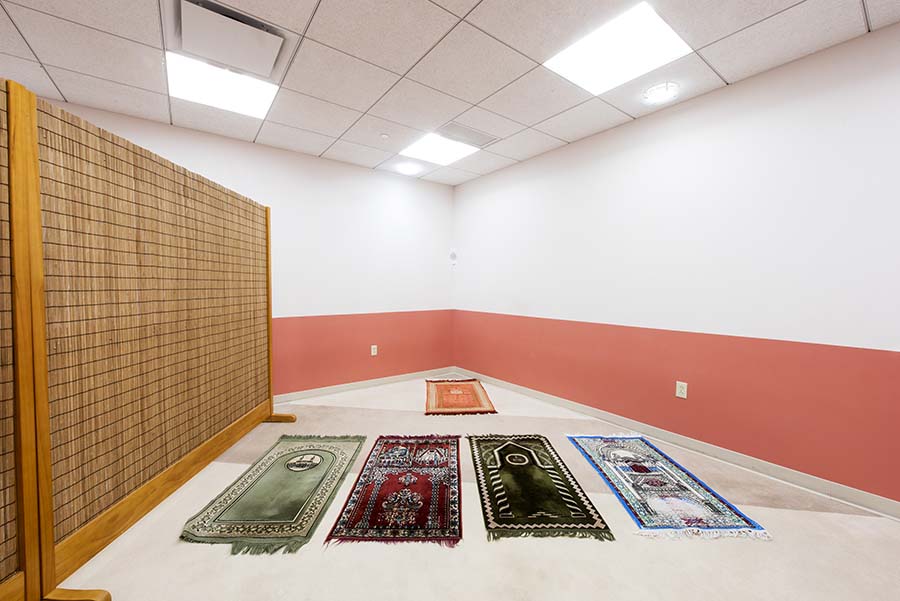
x=770, y=209
x=344, y=239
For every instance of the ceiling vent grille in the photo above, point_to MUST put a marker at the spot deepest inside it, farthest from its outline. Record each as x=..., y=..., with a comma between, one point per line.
x=467, y=135
x=227, y=40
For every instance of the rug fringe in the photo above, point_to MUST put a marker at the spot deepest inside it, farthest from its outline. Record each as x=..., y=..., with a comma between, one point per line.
x=352, y=437
x=616, y=435
x=393, y=541
x=260, y=548
x=409, y=436
x=701, y=533
x=246, y=547
x=601, y=535
x=465, y=413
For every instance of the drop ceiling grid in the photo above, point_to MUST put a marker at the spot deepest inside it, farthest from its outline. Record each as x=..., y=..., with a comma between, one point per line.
x=467, y=106
x=617, y=107
x=479, y=21
x=162, y=29
x=405, y=76
x=99, y=15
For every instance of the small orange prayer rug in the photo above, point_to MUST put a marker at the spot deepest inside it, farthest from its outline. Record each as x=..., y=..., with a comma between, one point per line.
x=457, y=397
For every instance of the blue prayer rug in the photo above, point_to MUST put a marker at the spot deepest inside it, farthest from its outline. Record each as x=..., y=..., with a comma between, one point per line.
x=663, y=498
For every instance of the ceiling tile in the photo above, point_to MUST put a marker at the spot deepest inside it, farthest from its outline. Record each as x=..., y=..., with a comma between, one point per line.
x=525, y=144
x=290, y=14
x=489, y=123
x=701, y=22
x=357, y=154
x=28, y=73
x=290, y=138
x=213, y=120
x=392, y=164
x=369, y=131
x=583, y=120
x=693, y=76
x=393, y=34
x=483, y=162
x=541, y=28
x=417, y=106
x=794, y=33
x=11, y=42
x=450, y=176
x=536, y=96
x=470, y=65
x=110, y=96
x=140, y=22
x=331, y=75
x=458, y=7
x=883, y=12
x=311, y=114
x=90, y=51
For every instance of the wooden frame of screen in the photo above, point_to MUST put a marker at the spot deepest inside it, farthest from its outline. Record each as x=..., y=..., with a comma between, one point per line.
x=273, y=417
x=44, y=563
x=25, y=584
x=33, y=469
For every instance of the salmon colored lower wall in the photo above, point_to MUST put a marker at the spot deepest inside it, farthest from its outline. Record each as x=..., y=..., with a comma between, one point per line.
x=311, y=352
x=825, y=410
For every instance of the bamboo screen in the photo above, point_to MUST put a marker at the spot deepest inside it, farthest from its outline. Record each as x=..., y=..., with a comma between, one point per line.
x=157, y=315
x=9, y=551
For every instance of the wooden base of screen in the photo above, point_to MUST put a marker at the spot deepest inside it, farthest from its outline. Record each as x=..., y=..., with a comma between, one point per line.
x=77, y=549
x=13, y=588
x=282, y=418
x=64, y=594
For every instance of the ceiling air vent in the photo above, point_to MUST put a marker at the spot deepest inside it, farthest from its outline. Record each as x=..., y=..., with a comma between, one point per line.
x=228, y=41
x=461, y=133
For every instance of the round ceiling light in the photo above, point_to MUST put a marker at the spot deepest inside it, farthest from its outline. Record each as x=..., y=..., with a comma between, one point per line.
x=408, y=168
x=661, y=93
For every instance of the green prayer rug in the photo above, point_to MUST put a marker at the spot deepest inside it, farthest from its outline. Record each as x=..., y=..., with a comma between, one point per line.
x=526, y=490
x=278, y=502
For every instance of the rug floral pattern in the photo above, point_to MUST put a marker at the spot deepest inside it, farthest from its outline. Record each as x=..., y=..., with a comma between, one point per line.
x=456, y=397
x=663, y=498
x=408, y=490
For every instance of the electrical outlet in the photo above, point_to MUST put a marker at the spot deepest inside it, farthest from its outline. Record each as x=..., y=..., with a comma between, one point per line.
x=374, y=350
x=681, y=390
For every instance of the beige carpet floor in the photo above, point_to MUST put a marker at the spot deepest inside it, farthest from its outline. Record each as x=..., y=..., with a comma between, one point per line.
x=822, y=549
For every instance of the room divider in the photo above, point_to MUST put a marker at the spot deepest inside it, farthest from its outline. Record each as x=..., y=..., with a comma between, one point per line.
x=135, y=336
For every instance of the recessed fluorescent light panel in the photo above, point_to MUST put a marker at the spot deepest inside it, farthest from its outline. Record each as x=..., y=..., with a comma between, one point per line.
x=634, y=43
x=196, y=81
x=438, y=149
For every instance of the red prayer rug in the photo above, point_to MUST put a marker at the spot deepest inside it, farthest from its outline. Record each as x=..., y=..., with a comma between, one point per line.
x=457, y=397
x=408, y=490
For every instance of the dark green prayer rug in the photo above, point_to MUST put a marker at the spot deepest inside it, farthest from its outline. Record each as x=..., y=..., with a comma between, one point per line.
x=526, y=490
x=277, y=503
